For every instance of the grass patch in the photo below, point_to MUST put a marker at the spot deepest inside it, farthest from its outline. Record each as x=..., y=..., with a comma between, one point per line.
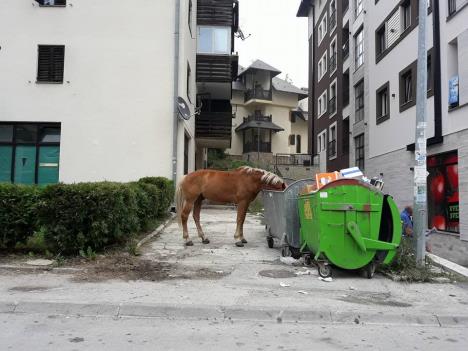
x=404, y=267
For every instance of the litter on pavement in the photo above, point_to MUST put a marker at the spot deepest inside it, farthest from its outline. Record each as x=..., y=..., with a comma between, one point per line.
x=285, y=285
x=328, y=280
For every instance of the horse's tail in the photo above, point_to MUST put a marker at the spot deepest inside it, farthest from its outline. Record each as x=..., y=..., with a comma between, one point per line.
x=179, y=201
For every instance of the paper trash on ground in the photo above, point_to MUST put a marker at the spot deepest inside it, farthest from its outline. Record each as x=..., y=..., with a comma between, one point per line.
x=306, y=272
x=291, y=261
x=328, y=280
x=285, y=285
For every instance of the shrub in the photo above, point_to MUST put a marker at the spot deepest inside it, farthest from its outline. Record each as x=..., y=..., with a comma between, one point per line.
x=166, y=188
x=18, y=213
x=88, y=216
x=149, y=199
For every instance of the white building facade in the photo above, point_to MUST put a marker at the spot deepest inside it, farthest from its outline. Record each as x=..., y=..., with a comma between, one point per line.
x=392, y=119
x=88, y=89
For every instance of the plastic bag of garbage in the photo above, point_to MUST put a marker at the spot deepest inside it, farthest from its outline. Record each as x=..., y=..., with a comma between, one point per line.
x=292, y=261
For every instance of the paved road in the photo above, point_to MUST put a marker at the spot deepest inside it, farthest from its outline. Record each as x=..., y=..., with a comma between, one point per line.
x=219, y=296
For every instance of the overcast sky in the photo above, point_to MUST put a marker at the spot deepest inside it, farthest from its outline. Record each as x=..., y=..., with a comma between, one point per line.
x=278, y=37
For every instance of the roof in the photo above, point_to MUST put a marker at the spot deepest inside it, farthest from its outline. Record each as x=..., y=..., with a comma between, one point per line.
x=304, y=8
x=260, y=65
x=260, y=125
x=282, y=85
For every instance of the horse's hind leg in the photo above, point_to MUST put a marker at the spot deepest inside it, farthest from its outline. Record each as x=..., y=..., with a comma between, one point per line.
x=196, y=218
x=184, y=217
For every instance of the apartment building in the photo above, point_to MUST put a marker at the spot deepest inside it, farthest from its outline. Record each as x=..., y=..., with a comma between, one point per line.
x=90, y=88
x=392, y=118
x=268, y=117
x=338, y=83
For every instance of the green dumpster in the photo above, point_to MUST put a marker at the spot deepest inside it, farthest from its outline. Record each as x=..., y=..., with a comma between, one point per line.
x=351, y=225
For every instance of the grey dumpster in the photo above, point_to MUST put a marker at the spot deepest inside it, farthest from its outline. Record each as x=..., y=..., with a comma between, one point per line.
x=282, y=217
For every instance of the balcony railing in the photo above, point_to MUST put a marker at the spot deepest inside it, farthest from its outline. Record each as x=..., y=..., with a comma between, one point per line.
x=215, y=125
x=452, y=7
x=258, y=93
x=332, y=21
x=332, y=105
x=331, y=151
x=260, y=118
x=346, y=50
x=294, y=160
x=332, y=63
x=257, y=147
x=215, y=68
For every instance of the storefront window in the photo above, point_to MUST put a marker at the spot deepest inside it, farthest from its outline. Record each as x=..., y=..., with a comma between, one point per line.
x=443, y=196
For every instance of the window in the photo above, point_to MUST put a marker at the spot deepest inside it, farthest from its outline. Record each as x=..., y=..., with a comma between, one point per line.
x=292, y=139
x=190, y=9
x=322, y=141
x=407, y=87
x=345, y=89
x=332, y=101
x=298, y=144
x=332, y=147
x=186, y=153
x=452, y=7
x=322, y=31
x=214, y=40
x=189, y=80
x=406, y=15
x=358, y=7
x=322, y=66
x=359, y=101
x=359, y=151
x=50, y=63
x=52, y=2
x=381, y=39
x=29, y=153
x=332, y=23
x=323, y=102
x=383, y=103
x=359, y=49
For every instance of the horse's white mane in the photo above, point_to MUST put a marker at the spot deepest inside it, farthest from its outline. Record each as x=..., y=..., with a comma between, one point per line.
x=267, y=177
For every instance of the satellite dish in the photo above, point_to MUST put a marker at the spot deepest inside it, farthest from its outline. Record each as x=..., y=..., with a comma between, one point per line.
x=183, y=108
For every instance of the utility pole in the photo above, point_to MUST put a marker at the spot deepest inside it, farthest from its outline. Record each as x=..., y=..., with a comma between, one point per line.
x=420, y=169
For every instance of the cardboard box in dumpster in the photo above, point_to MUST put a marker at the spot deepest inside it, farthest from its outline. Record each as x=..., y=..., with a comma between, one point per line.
x=323, y=179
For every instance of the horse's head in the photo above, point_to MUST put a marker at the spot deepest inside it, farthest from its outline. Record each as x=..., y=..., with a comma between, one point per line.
x=267, y=180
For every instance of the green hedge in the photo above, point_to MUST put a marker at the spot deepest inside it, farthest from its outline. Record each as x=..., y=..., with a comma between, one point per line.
x=18, y=213
x=167, y=191
x=74, y=217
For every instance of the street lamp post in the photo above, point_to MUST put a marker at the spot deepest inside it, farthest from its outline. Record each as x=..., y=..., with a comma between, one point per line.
x=420, y=169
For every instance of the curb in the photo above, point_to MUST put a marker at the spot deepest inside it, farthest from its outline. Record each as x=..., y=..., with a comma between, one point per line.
x=230, y=313
x=157, y=231
x=448, y=265
x=35, y=269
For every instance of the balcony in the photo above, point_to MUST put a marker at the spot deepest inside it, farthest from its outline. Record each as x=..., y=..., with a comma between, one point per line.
x=258, y=93
x=216, y=68
x=332, y=105
x=346, y=50
x=214, y=125
x=294, y=160
x=331, y=150
x=332, y=63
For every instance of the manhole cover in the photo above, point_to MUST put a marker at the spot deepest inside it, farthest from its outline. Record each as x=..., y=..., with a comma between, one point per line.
x=277, y=273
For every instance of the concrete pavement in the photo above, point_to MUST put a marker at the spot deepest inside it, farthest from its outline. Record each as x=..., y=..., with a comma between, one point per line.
x=218, y=295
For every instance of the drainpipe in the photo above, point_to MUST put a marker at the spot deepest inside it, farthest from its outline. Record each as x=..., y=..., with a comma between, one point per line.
x=175, y=127
x=311, y=106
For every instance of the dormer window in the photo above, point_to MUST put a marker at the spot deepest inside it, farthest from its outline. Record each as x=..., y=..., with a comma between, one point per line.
x=52, y=2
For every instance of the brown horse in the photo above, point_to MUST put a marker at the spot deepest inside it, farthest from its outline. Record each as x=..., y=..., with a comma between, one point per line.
x=240, y=187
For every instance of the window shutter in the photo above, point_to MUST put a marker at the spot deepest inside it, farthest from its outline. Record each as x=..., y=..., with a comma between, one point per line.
x=50, y=63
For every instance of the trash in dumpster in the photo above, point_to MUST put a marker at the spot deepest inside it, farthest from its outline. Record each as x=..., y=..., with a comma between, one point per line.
x=323, y=179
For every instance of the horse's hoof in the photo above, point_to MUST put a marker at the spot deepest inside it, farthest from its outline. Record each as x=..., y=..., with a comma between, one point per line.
x=189, y=243
x=239, y=244
x=244, y=241
x=206, y=241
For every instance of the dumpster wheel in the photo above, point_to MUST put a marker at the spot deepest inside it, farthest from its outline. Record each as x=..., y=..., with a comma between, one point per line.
x=324, y=269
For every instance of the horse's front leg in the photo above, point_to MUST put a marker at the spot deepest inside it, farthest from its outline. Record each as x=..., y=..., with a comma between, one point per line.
x=241, y=212
x=184, y=218
x=196, y=218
